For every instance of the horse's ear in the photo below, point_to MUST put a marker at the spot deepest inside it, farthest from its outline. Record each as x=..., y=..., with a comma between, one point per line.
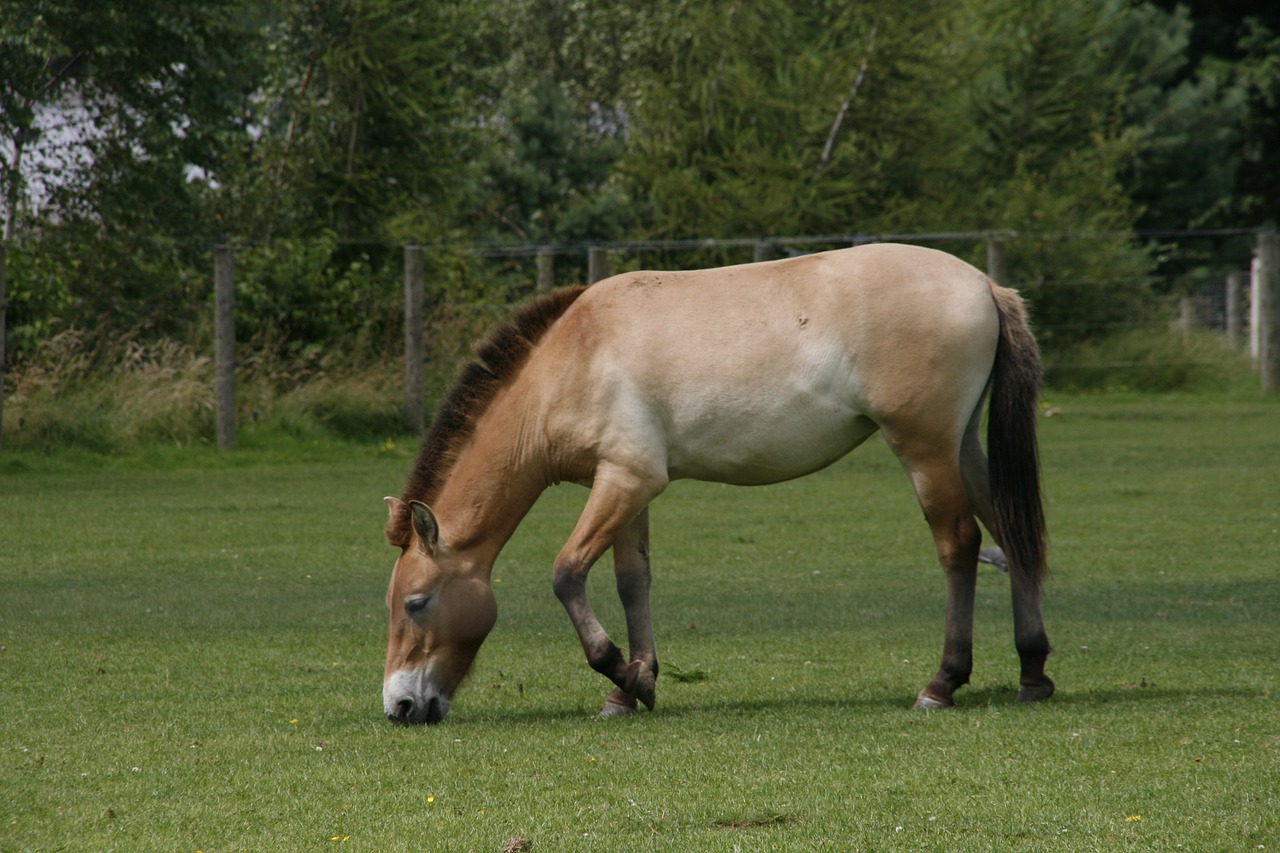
x=424, y=522
x=394, y=505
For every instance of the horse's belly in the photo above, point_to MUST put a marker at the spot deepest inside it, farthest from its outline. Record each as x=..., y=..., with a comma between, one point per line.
x=756, y=446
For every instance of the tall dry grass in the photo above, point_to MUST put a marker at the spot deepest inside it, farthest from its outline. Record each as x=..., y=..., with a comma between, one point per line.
x=109, y=395
x=116, y=396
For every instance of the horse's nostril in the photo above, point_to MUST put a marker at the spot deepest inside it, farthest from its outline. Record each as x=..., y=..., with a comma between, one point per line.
x=403, y=712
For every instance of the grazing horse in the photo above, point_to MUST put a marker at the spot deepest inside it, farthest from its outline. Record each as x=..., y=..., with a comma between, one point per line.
x=748, y=375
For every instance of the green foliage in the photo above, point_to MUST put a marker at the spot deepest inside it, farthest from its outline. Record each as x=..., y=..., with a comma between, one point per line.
x=39, y=294
x=1152, y=361
x=357, y=120
x=553, y=77
x=547, y=175
x=730, y=140
x=309, y=298
x=105, y=110
x=105, y=105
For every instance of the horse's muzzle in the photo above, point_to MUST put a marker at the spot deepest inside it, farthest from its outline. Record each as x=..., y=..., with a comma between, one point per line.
x=408, y=711
x=408, y=708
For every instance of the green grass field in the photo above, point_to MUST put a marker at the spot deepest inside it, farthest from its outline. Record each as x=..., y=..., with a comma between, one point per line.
x=191, y=659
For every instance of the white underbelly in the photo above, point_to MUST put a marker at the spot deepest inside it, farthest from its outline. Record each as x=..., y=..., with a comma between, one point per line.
x=757, y=445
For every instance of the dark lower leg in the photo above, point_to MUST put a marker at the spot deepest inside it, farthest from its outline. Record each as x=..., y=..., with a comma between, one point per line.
x=602, y=653
x=958, y=553
x=1031, y=641
x=631, y=567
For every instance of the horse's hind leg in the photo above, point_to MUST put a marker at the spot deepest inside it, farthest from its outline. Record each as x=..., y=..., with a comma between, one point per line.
x=1028, y=622
x=956, y=535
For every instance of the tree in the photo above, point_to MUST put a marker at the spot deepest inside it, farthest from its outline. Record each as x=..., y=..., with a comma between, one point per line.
x=774, y=118
x=96, y=94
x=554, y=117
x=106, y=111
x=358, y=122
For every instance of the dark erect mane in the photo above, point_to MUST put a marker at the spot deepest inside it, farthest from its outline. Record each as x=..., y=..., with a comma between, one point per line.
x=498, y=358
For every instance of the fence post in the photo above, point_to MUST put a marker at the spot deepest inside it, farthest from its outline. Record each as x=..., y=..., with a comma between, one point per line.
x=997, y=261
x=1267, y=296
x=224, y=332
x=4, y=362
x=763, y=251
x=546, y=268
x=1234, y=307
x=1186, y=317
x=414, y=350
x=597, y=264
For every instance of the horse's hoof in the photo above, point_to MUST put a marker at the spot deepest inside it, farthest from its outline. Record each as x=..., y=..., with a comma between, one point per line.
x=612, y=709
x=642, y=683
x=927, y=702
x=619, y=703
x=1036, y=692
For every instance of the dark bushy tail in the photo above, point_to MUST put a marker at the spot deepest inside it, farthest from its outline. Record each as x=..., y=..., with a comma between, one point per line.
x=1012, y=448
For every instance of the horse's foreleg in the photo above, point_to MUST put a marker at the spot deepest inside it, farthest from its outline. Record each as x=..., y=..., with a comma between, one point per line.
x=631, y=567
x=613, y=507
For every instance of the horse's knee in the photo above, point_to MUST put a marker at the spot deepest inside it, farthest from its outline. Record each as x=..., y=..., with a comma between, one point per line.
x=569, y=581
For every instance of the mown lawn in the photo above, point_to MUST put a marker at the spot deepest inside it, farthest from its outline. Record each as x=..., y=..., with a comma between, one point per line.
x=191, y=658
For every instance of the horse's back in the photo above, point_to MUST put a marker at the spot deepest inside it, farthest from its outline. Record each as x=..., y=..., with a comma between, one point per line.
x=762, y=372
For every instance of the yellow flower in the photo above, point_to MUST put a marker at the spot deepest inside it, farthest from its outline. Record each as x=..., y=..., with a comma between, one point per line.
x=294, y=721
x=431, y=799
x=1134, y=817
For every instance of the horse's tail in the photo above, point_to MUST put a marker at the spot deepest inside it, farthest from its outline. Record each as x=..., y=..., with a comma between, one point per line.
x=1013, y=451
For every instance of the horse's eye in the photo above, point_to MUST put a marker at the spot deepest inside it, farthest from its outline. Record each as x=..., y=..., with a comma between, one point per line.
x=415, y=605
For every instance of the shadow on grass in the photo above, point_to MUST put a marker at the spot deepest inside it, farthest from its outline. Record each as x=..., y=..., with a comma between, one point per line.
x=1155, y=695
x=967, y=702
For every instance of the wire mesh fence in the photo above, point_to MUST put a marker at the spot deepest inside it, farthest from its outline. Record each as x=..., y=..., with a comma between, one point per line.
x=1085, y=290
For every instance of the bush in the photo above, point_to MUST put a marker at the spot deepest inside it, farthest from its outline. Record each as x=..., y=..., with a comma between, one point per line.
x=1151, y=360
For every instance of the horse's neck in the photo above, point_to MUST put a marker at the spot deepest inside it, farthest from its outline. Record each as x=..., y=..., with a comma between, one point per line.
x=490, y=489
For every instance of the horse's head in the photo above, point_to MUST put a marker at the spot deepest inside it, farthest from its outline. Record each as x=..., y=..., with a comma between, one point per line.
x=442, y=608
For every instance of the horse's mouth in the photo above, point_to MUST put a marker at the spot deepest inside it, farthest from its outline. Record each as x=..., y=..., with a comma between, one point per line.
x=408, y=712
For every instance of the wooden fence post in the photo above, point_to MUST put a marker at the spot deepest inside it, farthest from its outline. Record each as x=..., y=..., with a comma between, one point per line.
x=1234, y=308
x=1266, y=294
x=1186, y=317
x=763, y=251
x=1253, y=308
x=997, y=261
x=4, y=362
x=224, y=332
x=414, y=350
x=597, y=264
x=546, y=268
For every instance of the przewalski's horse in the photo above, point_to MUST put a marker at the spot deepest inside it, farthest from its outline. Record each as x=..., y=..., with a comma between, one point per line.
x=748, y=375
